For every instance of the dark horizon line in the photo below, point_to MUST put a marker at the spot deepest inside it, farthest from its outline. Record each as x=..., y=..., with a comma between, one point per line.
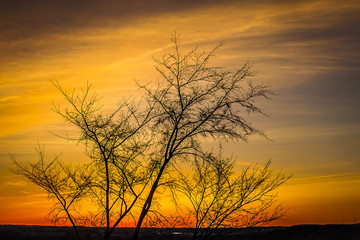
x=277, y=226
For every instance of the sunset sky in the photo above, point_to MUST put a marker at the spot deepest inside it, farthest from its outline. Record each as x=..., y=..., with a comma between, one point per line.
x=308, y=51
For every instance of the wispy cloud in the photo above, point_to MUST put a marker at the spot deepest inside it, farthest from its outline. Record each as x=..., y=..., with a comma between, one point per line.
x=17, y=184
x=349, y=176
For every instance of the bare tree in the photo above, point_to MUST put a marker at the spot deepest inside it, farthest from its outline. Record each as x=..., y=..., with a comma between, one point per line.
x=115, y=143
x=133, y=152
x=195, y=100
x=68, y=185
x=117, y=176
x=220, y=197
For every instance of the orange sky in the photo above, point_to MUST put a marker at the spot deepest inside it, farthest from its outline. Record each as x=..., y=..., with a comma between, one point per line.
x=307, y=50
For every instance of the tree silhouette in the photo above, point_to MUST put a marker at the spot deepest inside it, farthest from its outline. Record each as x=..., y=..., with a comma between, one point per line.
x=194, y=101
x=114, y=178
x=67, y=185
x=114, y=143
x=223, y=198
x=135, y=150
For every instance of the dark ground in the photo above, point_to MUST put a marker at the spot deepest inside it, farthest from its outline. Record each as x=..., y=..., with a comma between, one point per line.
x=299, y=232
